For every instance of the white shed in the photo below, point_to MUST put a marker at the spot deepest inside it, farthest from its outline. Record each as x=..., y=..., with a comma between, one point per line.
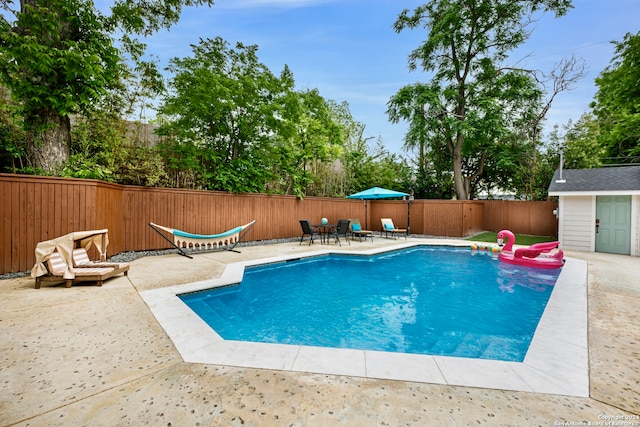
x=598, y=209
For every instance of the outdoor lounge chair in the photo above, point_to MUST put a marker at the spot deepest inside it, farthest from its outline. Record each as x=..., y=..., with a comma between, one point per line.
x=183, y=240
x=54, y=259
x=342, y=229
x=389, y=228
x=356, y=230
x=308, y=230
x=58, y=271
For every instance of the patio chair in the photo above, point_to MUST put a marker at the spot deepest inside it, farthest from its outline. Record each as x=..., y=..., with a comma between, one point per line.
x=342, y=229
x=389, y=228
x=308, y=230
x=355, y=228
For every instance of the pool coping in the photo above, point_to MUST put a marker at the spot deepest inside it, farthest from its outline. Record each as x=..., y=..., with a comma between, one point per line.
x=556, y=363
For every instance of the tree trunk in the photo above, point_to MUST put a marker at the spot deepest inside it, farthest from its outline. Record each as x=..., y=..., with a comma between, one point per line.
x=458, y=179
x=49, y=140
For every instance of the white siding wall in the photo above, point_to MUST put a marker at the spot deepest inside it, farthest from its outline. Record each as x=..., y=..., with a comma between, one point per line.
x=576, y=225
x=635, y=225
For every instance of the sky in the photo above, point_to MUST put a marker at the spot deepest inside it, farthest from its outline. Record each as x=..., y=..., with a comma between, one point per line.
x=348, y=50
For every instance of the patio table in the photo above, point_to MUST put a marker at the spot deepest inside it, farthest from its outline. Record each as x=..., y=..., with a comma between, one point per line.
x=325, y=231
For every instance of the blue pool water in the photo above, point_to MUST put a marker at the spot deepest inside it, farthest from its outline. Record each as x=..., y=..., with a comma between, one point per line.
x=433, y=300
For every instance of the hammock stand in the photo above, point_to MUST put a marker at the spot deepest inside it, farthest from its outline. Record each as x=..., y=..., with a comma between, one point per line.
x=183, y=240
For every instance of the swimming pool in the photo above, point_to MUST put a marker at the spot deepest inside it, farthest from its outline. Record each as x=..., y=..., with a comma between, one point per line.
x=556, y=363
x=436, y=300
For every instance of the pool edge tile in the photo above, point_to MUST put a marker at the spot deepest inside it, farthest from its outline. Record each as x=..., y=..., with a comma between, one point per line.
x=482, y=373
x=558, y=357
x=279, y=357
x=332, y=361
x=403, y=367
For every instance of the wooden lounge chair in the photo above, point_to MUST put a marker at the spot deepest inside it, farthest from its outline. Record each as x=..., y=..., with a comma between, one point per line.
x=389, y=228
x=183, y=240
x=54, y=259
x=355, y=228
x=58, y=272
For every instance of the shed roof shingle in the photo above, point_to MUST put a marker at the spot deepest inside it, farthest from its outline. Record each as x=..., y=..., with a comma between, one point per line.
x=625, y=178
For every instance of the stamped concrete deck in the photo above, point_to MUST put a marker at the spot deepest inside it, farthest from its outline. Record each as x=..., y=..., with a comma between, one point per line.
x=98, y=356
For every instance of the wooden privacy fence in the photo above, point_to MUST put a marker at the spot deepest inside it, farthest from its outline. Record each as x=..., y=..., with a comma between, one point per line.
x=35, y=209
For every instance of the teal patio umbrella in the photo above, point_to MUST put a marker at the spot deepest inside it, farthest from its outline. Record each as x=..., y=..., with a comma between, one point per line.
x=375, y=193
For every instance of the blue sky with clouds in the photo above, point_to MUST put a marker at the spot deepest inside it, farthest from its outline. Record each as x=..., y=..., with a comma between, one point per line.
x=347, y=49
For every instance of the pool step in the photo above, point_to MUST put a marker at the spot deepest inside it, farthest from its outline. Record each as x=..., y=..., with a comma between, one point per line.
x=447, y=344
x=503, y=346
x=460, y=344
x=220, y=316
x=472, y=345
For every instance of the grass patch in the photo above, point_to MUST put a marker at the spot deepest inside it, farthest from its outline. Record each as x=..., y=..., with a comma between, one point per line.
x=521, y=239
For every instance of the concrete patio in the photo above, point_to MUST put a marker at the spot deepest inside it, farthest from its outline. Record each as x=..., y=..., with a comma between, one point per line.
x=92, y=355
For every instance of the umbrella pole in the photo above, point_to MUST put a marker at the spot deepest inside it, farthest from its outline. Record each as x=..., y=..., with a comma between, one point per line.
x=366, y=217
x=409, y=200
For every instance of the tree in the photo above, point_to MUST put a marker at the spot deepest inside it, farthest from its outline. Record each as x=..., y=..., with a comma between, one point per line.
x=564, y=75
x=58, y=58
x=56, y=62
x=106, y=147
x=12, y=139
x=353, y=146
x=617, y=105
x=580, y=143
x=316, y=142
x=467, y=105
x=371, y=165
x=225, y=104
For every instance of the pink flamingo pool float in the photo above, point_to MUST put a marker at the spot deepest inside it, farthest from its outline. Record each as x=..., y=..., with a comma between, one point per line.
x=537, y=255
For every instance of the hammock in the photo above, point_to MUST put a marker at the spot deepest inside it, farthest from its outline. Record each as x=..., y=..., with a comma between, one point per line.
x=183, y=240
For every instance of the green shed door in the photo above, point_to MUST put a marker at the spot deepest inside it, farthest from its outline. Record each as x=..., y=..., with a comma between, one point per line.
x=613, y=214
